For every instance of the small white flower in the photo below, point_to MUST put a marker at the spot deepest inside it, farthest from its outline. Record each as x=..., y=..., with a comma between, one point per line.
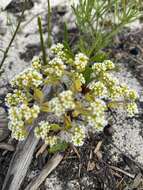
x=81, y=61
x=56, y=48
x=132, y=109
x=51, y=140
x=78, y=136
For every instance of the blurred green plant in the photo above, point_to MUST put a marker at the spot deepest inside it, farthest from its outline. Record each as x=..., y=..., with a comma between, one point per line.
x=99, y=21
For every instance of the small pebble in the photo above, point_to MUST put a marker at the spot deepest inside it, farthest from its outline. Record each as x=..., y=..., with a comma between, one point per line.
x=134, y=51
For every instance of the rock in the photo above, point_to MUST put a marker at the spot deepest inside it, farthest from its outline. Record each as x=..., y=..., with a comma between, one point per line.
x=53, y=183
x=127, y=130
x=134, y=51
x=31, y=51
x=108, y=130
x=16, y=6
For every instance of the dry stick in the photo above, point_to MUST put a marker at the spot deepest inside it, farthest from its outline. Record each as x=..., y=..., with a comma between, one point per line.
x=48, y=168
x=20, y=163
x=122, y=171
x=41, y=150
x=7, y=146
x=98, y=147
x=76, y=151
x=14, y=35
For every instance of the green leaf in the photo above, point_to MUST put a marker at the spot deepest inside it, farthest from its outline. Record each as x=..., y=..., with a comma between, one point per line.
x=67, y=122
x=38, y=95
x=55, y=127
x=60, y=146
x=87, y=74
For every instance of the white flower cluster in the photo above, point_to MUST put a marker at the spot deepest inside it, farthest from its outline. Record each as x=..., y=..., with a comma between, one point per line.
x=42, y=131
x=98, y=87
x=28, y=78
x=51, y=140
x=88, y=99
x=13, y=99
x=78, y=136
x=80, y=61
x=79, y=76
x=64, y=102
x=132, y=109
x=56, y=48
x=102, y=67
x=96, y=117
x=115, y=91
x=36, y=63
x=20, y=116
x=56, y=67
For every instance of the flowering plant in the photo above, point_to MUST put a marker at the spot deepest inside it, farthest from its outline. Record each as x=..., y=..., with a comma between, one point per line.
x=89, y=90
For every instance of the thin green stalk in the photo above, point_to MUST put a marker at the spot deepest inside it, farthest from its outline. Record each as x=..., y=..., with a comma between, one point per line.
x=14, y=35
x=42, y=40
x=49, y=24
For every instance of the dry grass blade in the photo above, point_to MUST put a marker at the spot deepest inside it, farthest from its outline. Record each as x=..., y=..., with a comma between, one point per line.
x=49, y=167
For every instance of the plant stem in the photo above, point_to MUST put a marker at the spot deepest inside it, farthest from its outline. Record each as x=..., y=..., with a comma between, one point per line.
x=42, y=40
x=49, y=24
x=13, y=37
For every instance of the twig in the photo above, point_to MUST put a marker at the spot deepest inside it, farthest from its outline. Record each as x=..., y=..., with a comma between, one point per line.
x=41, y=150
x=112, y=113
x=6, y=146
x=116, y=174
x=14, y=35
x=49, y=167
x=76, y=151
x=122, y=171
x=20, y=163
x=120, y=182
x=134, y=59
x=42, y=40
x=98, y=147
